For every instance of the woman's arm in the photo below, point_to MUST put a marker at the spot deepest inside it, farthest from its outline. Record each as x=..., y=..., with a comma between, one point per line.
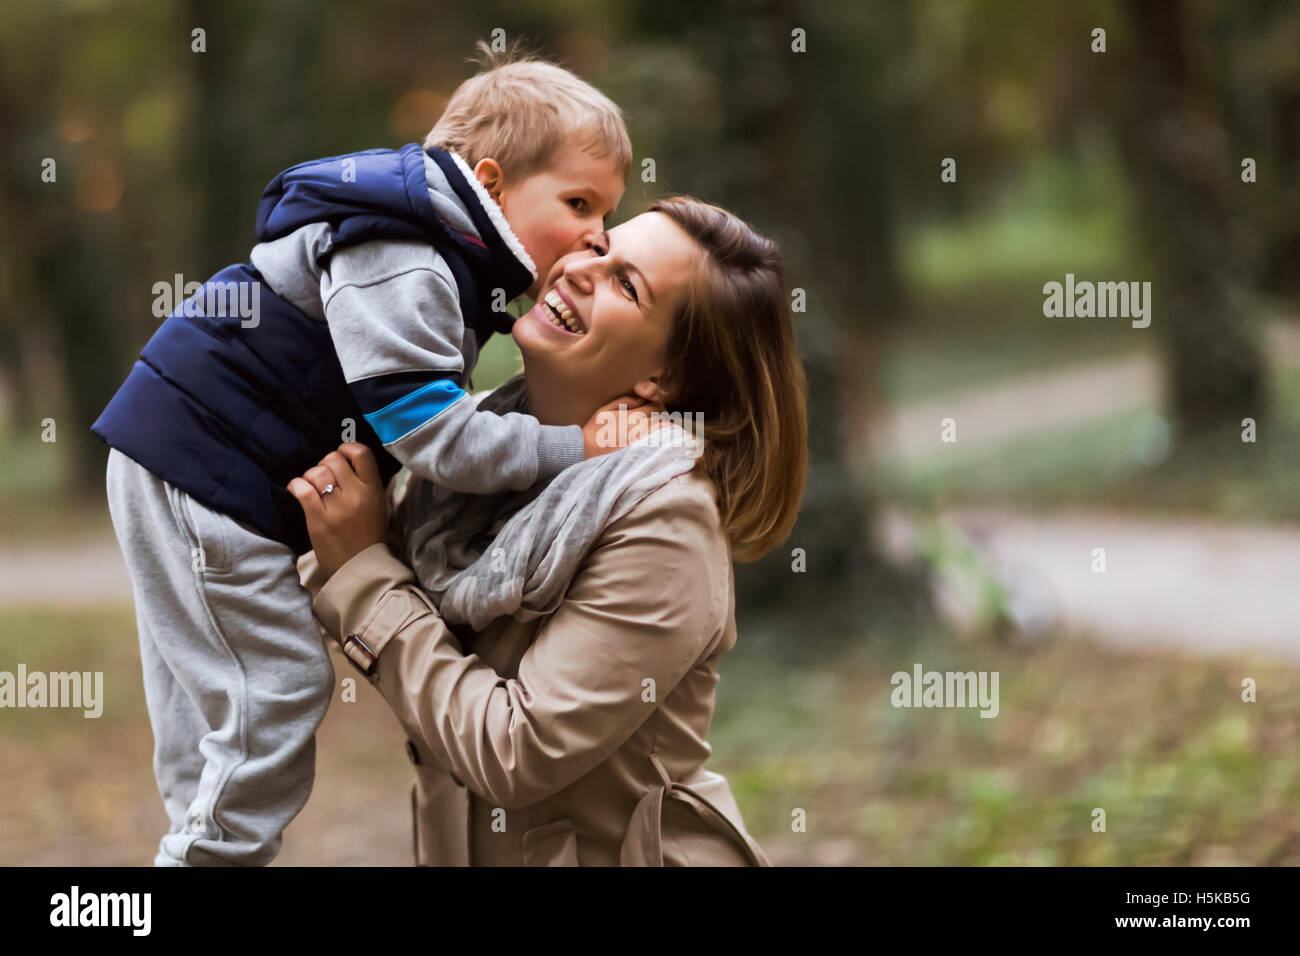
x=647, y=604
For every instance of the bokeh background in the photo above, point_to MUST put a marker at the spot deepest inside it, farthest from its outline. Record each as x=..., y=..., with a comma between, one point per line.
x=924, y=301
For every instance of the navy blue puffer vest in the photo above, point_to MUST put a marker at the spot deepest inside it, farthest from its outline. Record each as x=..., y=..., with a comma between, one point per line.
x=229, y=413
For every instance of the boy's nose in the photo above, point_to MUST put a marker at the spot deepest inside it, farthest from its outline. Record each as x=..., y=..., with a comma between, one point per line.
x=592, y=238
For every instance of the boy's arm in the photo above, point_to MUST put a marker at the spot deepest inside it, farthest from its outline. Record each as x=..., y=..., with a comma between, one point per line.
x=394, y=314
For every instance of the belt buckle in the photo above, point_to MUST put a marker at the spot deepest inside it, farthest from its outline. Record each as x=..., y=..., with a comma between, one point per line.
x=361, y=656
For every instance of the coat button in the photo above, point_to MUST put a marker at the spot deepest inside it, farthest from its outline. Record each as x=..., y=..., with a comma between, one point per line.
x=412, y=753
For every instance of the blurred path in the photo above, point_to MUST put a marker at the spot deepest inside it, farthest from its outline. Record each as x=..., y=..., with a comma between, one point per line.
x=89, y=573
x=1039, y=400
x=1022, y=404
x=1188, y=583
x=1200, y=586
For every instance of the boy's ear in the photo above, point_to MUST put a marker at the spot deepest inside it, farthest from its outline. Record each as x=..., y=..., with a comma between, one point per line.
x=490, y=176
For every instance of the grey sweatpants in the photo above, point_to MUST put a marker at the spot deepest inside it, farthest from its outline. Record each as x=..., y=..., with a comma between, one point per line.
x=236, y=674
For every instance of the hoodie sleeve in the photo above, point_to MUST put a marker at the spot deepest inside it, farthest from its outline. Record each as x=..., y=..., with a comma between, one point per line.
x=394, y=315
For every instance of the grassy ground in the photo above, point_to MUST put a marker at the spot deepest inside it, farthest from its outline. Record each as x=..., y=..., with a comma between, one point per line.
x=1186, y=771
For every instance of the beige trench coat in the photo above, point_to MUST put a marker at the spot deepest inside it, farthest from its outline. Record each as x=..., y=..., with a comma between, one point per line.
x=574, y=739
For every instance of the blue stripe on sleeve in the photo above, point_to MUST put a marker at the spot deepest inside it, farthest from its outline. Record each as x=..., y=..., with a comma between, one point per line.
x=374, y=393
x=411, y=411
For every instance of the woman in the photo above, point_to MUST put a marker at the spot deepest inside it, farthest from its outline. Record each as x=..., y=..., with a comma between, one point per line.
x=577, y=737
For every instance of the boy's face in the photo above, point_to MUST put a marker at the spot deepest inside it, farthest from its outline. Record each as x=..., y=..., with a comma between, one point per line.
x=553, y=209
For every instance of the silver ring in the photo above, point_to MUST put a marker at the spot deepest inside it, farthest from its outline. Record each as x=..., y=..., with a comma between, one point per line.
x=328, y=489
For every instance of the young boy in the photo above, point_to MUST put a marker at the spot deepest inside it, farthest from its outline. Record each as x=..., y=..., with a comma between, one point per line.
x=378, y=277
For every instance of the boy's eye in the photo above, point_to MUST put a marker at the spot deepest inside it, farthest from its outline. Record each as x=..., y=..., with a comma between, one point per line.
x=579, y=205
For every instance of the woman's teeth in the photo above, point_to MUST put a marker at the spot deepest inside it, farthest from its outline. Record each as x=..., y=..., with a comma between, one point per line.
x=560, y=314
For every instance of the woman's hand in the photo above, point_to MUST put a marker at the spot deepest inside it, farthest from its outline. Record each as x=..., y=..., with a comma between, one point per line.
x=618, y=423
x=345, y=505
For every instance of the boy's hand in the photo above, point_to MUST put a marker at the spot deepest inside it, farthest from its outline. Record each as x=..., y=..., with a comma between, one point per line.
x=352, y=515
x=618, y=424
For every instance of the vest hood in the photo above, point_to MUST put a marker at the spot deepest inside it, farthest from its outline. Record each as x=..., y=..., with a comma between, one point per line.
x=429, y=196
x=229, y=412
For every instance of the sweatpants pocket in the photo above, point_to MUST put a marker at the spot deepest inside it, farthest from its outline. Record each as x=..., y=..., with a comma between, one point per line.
x=211, y=533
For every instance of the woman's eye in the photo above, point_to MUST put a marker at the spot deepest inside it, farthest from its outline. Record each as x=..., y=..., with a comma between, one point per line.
x=626, y=283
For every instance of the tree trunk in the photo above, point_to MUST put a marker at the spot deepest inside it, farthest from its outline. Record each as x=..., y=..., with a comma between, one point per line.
x=1175, y=149
x=816, y=150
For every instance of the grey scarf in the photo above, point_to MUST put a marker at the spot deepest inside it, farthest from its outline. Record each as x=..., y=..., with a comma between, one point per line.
x=480, y=557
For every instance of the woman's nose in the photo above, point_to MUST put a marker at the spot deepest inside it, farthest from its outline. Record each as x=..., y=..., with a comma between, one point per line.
x=581, y=268
x=579, y=271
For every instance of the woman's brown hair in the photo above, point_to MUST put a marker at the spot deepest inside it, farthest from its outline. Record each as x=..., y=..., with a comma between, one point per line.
x=731, y=357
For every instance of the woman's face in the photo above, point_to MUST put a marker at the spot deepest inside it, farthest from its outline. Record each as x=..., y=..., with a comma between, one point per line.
x=604, y=314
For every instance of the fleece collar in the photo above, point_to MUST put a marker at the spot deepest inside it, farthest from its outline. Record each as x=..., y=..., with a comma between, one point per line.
x=501, y=260
x=495, y=216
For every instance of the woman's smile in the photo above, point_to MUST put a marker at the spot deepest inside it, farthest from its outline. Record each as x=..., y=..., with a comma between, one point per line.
x=548, y=315
x=560, y=310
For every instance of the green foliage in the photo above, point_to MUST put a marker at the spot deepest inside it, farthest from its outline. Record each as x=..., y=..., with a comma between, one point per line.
x=1063, y=214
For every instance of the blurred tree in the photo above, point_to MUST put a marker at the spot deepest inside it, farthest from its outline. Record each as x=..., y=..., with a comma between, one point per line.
x=1253, y=63
x=60, y=284
x=258, y=100
x=1176, y=151
x=800, y=144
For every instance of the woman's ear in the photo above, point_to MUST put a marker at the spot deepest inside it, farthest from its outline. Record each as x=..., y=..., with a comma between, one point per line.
x=650, y=390
x=490, y=176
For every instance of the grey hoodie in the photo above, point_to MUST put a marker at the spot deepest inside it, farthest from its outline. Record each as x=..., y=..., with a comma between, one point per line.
x=392, y=307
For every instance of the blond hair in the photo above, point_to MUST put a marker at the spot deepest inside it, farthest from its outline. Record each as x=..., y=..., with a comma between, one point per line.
x=731, y=357
x=521, y=110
